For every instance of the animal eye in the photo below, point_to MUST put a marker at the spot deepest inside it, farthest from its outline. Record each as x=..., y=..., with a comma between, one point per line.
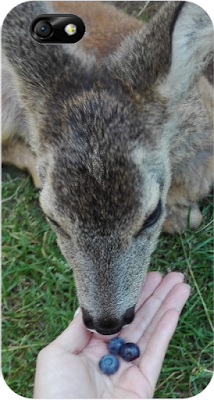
x=152, y=218
x=52, y=222
x=57, y=227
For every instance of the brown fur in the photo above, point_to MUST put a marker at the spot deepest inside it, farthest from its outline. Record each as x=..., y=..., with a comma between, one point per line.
x=121, y=126
x=106, y=27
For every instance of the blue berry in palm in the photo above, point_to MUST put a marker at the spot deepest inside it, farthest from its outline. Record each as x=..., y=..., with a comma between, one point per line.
x=115, y=345
x=129, y=351
x=109, y=364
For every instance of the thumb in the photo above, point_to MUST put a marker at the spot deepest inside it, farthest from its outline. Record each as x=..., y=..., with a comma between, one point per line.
x=75, y=337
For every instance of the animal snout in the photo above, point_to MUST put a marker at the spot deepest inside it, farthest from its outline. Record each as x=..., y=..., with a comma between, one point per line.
x=108, y=325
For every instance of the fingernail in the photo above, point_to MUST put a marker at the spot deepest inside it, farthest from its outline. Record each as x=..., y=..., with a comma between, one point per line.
x=188, y=285
x=180, y=273
x=77, y=311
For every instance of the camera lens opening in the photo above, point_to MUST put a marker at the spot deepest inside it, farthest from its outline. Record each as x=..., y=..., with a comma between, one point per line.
x=43, y=29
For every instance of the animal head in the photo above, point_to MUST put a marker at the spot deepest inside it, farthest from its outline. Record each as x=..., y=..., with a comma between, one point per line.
x=101, y=134
x=104, y=192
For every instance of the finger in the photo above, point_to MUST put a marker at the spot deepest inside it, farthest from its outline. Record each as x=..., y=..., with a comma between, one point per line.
x=175, y=299
x=77, y=312
x=75, y=337
x=153, y=279
x=153, y=357
x=150, y=306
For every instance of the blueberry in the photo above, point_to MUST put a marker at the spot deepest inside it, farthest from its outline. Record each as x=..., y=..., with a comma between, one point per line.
x=115, y=345
x=109, y=364
x=129, y=351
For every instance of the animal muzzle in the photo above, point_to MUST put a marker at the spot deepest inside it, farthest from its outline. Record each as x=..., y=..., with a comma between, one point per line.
x=107, y=325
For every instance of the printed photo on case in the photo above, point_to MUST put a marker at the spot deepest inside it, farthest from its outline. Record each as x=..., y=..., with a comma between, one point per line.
x=115, y=132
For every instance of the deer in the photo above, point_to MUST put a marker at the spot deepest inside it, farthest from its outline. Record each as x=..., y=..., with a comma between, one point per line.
x=117, y=133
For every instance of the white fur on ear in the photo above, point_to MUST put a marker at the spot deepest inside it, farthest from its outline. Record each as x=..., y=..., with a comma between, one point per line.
x=13, y=117
x=192, y=49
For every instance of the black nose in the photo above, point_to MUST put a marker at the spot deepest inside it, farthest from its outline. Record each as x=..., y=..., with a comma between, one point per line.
x=108, y=326
x=128, y=316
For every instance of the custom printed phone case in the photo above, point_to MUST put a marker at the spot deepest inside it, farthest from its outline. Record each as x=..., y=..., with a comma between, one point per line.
x=116, y=131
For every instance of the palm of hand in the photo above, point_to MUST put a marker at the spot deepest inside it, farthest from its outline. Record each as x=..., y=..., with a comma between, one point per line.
x=128, y=382
x=68, y=367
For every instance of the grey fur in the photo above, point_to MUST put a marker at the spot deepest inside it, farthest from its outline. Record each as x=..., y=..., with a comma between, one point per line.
x=111, y=138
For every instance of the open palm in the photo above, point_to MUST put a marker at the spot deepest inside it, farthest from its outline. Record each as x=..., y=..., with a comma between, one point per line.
x=68, y=367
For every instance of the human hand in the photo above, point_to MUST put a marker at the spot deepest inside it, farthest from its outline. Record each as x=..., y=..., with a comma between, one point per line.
x=68, y=367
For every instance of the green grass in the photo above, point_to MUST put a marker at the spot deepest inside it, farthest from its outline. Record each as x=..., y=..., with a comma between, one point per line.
x=38, y=293
x=188, y=366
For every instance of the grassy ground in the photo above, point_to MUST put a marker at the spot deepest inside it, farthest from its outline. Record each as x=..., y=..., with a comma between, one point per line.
x=38, y=292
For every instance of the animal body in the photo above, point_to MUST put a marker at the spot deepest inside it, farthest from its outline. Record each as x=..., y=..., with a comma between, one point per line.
x=117, y=132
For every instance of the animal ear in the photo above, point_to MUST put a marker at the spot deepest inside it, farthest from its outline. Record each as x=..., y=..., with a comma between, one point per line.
x=171, y=51
x=28, y=60
x=37, y=68
x=192, y=49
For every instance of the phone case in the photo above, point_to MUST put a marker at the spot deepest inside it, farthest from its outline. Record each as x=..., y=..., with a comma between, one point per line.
x=116, y=132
